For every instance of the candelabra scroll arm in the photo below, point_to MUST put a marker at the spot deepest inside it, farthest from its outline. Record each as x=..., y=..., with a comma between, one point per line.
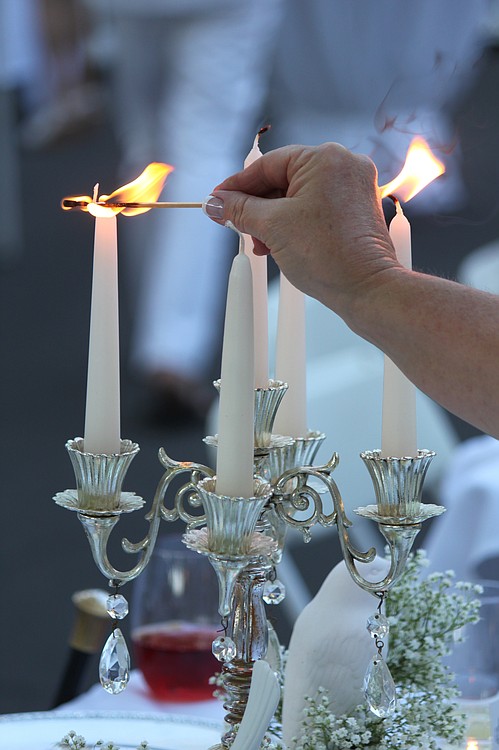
x=293, y=495
x=187, y=494
x=303, y=495
x=350, y=553
x=400, y=540
x=98, y=529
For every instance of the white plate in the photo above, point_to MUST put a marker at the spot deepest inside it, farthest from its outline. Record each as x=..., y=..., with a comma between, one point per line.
x=43, y=731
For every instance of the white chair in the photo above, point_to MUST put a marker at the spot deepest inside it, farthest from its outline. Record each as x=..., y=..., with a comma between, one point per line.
x=480, y=268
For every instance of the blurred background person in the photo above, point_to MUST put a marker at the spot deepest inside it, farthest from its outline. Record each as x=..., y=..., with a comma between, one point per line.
x=371, y=76
x=190, y=80
x=69, y=94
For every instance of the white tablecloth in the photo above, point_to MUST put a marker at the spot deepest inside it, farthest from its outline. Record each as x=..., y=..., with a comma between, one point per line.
x=465, y=538
x=137, y=698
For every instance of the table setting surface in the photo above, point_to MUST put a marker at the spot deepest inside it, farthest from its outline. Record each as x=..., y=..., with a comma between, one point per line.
x=125, y=719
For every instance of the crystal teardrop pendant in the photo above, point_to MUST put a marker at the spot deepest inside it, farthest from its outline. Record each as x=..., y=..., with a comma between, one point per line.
x=114, y=665
x=379, y=688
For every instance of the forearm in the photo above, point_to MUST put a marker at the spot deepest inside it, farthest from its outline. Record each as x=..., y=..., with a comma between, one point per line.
x=318, y=211
x=442, y=335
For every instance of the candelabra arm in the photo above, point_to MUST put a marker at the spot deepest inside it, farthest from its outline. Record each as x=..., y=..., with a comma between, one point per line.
x=350, y=553
x=98, y=528
x=306, y=499
x=293, y=495
x=400, y=541
x=186, y=495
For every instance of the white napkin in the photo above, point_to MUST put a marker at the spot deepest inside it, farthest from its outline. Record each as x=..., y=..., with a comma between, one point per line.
x=263, y=698
x=330, y=646
x=465, y=539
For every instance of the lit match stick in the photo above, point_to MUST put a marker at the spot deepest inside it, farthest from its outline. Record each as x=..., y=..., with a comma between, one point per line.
x=68, y=203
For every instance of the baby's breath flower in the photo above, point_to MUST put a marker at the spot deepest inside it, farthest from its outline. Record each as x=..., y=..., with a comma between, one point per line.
x=73, y=741
x=426, y=617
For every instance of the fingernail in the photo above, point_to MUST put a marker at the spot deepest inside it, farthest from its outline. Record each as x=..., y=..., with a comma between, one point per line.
x=213, y=206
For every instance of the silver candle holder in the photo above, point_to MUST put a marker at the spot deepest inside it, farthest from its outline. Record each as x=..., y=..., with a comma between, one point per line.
x=244, y=537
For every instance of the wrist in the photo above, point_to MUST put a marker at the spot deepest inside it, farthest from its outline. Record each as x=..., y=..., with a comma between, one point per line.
x=377, y=302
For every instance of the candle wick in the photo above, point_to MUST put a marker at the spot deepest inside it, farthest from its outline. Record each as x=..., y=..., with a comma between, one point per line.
x=262, y=130
x=396, y=203
x=95, y=194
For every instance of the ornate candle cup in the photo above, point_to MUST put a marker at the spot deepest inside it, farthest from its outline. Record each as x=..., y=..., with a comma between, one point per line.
x=99, y=477
x=267, y=402
x=399, y=512
x=398, y=484
x=297, y=452
x=231, y=521
x=229, y=538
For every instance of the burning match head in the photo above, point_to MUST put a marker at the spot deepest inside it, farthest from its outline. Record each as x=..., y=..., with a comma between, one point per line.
x=134, y=198
x=75, y=203
x=421, y=167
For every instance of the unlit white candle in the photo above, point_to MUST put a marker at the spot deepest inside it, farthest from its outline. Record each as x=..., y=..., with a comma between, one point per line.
x=102, y=414
x=290, y=361
x=260, y=301
x=398, y=436
x=234, y=472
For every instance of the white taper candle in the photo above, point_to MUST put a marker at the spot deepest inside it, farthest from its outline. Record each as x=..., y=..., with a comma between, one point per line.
x=290, y=361
x=234, y=471
x=102, y=413
x=398, y=436
x=260, y=300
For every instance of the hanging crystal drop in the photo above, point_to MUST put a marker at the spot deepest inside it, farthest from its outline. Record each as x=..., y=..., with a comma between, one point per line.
x=224, y=648
x=117, y=606
x=379, y=688
x=378, y=625
x=114, y=665
x=274, y=592
x=307, y=536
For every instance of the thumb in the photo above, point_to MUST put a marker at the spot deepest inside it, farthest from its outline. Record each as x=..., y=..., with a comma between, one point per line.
x=248, y=213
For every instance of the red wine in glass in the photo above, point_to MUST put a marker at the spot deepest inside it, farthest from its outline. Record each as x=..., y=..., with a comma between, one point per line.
x=176, y=659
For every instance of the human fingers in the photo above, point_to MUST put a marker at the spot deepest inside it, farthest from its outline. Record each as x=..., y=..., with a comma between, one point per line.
x=250, y=214
x=267, y=176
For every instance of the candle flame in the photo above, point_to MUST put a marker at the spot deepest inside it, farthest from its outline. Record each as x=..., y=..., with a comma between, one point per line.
x=421, y=167
x=472, y=745
x=146, y=188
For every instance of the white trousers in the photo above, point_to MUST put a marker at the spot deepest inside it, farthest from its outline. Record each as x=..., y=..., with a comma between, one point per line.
x=190, y=88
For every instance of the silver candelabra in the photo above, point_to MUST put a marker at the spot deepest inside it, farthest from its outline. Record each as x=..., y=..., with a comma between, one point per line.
x=244, y=537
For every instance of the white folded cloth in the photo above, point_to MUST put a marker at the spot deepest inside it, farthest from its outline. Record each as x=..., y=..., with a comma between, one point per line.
x=330, y=646
x=466, y=537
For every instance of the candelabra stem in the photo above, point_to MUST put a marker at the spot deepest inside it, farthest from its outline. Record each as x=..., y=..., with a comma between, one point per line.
x=249, y=630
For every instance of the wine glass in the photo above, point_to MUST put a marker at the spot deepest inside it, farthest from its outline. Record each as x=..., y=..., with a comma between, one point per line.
x=174, y=622
x=475, y=663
